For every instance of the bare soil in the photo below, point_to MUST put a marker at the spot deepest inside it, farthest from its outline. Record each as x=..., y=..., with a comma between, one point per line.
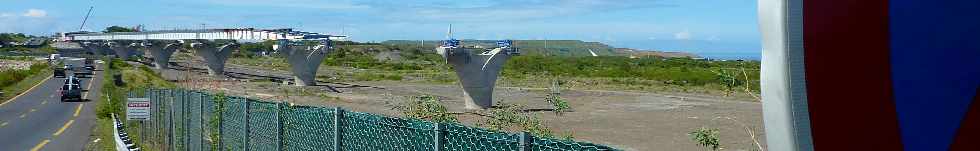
x=622, y=119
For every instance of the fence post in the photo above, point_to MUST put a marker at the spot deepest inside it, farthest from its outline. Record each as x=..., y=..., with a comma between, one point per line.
x=204, y=122
x=221, y=118
x=438, y=136
x=245, y=138
x=170, y=105
x=526, y=141
x=279, y=138
x=185, y=120
x=338, y=115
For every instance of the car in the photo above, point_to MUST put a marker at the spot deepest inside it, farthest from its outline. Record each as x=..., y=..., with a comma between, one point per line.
x=71, y=90
x=81, y=73
x=59, y=72
x=88, y=65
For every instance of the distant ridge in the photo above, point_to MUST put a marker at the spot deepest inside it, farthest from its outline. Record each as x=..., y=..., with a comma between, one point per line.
x=572, y=48
x=650, y=53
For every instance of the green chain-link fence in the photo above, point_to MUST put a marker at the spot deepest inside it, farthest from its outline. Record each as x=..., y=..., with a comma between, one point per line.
x=194, y=120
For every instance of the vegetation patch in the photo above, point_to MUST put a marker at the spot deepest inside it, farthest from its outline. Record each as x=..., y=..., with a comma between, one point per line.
x=114, y=96
x=16, y=81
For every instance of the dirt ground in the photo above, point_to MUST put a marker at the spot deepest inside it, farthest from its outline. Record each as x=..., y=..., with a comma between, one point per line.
x=627, y=120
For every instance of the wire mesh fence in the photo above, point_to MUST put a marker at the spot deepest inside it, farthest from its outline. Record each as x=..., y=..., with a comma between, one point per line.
x=199, y=121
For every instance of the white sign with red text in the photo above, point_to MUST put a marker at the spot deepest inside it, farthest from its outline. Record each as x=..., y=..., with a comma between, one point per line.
x=137, y=109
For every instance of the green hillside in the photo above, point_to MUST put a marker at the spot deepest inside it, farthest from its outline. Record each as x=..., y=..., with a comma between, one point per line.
x=530, y=47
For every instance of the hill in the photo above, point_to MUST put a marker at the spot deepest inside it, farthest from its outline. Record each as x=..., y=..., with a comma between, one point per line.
x=653, y=53
x=532, y=47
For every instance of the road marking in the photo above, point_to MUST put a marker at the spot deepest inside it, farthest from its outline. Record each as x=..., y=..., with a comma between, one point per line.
x=3, y=124
x=40, y=145
x=32, y=110
x=63, y=128
x=44, y=102
x=23, y=115
x=78, y=110
x=88, y=88
x=25, y=92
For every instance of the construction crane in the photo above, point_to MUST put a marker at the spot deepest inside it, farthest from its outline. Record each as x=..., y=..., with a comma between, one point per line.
x=86, y=18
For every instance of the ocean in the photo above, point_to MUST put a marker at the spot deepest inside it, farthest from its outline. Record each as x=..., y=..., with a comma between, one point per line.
x=732, y=55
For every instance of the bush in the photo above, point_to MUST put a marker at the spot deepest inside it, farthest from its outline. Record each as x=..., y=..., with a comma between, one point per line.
x=12, y=76
x=428, y=108
x=674, y=71
x=137, y=78
x=368, y=76
x=706, y=137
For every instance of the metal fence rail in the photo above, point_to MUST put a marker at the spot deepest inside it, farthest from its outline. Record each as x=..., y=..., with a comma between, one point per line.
x=199, y=121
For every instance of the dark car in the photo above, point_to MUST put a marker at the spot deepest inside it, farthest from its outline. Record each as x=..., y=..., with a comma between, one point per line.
x=89, y=65
x=71, y=90
x=82, y=73
x=59, y=72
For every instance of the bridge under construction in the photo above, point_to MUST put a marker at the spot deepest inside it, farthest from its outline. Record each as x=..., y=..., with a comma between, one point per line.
x=305, y=50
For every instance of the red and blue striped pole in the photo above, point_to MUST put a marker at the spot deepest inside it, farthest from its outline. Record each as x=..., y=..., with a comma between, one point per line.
x=870, y=74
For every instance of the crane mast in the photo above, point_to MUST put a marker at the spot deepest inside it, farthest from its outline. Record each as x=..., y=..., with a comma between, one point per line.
x=86, y=18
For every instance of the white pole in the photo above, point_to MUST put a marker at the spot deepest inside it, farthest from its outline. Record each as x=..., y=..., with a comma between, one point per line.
x=784, y=103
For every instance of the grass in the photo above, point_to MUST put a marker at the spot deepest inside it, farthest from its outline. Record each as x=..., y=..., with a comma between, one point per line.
x=262, y=62
x=134, y=78
x=14, y=82
x=103, y=132
x=355, y=63
x=369, y=76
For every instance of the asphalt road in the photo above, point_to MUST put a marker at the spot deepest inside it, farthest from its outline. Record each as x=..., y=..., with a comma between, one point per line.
x=38, y=120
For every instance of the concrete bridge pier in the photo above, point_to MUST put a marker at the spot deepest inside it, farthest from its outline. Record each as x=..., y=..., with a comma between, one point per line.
x=123, y=49
x=304, y=61
x=477, y=72
x=215, y=55
x=161, y=51
x=97, y=48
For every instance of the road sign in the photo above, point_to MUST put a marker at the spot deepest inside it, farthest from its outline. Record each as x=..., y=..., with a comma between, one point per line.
x=137, y=109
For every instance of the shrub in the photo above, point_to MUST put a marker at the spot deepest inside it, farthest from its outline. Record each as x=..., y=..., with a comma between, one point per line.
x=706, y=137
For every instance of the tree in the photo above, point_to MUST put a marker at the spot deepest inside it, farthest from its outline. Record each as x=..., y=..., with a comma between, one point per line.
x=12, y=37
x=118, y=29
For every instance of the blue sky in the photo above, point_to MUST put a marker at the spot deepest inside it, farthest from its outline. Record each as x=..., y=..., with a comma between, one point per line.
x=704, y=26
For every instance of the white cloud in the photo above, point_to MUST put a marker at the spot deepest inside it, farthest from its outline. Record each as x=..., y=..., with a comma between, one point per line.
x=684, y=35
x=36, y=13
x=4, y=15
x=652, y=38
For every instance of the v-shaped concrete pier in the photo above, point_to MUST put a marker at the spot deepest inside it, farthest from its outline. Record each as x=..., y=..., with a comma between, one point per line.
x=304, y=60
x=477, y=70
x=161, y=51
x=215, y=55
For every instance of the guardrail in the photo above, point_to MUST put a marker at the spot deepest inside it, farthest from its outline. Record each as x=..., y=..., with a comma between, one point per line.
x=123, y=143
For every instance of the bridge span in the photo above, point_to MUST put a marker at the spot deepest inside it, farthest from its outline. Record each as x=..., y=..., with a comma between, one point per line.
x=305, y=50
